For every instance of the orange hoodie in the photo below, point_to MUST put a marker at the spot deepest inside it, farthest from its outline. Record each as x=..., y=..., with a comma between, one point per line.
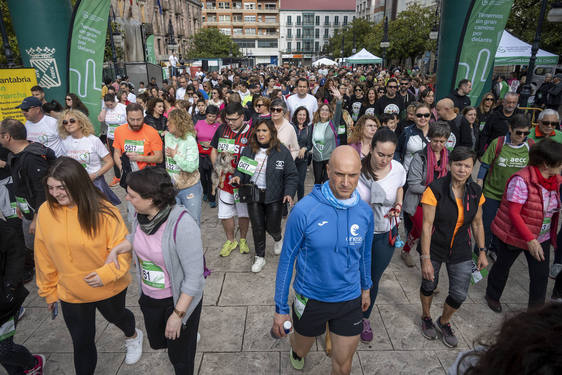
x=65, y=254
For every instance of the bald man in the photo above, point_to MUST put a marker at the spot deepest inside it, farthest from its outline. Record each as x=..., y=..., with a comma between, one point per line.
x=330, y=232
x=446, y=111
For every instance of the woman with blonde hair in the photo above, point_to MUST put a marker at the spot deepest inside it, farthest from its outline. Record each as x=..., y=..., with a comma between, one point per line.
x=182, y=161
x=363, y=134
x=81, y=144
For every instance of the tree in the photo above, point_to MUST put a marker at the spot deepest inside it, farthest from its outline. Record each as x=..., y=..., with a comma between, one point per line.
x=363, y=30
x=11, y=35
x=210, y=42
x=523, y=20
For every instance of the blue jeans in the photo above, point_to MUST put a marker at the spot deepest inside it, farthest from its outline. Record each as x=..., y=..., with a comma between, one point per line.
x=301, y=165
x=489, y=210
x=381, y=254
x=191, y=198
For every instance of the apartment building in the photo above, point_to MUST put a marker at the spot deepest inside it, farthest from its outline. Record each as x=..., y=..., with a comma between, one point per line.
x=307, y=26
x=252, y=24
x=370, y=10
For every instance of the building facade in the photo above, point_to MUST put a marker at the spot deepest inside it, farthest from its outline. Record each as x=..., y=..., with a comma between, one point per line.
x=375, y=10
x=141, y=18
x=252, y=24
x=307, y=26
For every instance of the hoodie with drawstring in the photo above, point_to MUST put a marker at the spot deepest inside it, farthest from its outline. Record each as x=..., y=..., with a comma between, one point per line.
x=332, y=246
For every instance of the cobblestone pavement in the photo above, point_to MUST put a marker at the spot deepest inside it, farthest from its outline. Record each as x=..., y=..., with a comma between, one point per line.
x=237, y=316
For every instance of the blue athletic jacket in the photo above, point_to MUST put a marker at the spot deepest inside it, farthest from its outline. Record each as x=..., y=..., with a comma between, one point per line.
x=333, y=251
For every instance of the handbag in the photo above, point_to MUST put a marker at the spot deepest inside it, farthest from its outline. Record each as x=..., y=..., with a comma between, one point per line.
x=249, y=193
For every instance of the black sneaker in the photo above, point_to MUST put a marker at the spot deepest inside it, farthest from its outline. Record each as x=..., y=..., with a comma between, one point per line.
x=428, y=329
x=28, y=275
x=449, y=338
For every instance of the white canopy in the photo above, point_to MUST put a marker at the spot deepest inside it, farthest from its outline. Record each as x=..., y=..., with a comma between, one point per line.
x=363, y=57
x=513, y=51
x=324, y=61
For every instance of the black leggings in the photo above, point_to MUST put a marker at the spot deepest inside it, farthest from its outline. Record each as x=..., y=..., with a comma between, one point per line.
x=116, y=170
x=206, y=171
x=265, y=217
x=320, y=172
x=15, y=358
x=180, y=351
x=80, y=319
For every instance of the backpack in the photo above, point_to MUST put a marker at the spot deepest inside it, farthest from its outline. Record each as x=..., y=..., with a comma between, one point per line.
x=499, y=145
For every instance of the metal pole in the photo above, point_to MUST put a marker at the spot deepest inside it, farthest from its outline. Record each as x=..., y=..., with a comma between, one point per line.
x=112, y=43
x=385, y=40
x=526, y=90
x=7, y=50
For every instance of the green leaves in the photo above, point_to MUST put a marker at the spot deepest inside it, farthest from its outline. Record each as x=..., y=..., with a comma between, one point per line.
x=210, y=42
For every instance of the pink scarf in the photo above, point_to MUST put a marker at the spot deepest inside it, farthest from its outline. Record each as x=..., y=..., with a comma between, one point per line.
x=432, y=166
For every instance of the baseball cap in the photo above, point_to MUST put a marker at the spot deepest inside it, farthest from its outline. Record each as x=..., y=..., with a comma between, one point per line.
x=29, y=102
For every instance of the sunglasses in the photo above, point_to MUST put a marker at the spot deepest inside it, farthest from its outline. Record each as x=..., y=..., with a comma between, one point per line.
x=359, y=90
x=277, y=110
x=521, y=132
x=403, y=84
x=549, y=123
x=420, y=115
x=392, y=87
x=259, y=105
x=72, y=121
x=68, y=98
x=489, y=99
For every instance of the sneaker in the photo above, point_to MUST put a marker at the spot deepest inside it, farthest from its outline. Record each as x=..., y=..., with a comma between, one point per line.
x=244, y=249
x=407, y=258
x=259, y=262
x=39, y=366
x=205, y=198
x=492, y=255
x=277, y=247
x=114, y=182
x=555, y=270
x=449, y=338
x=21, y=313
x=494, y=305
x=28, y=275
x=212, y=204
x=428, y=329
x=367, y=332
x=227, y=248
x=134, y=348
x=198, y=337
x=298, y=363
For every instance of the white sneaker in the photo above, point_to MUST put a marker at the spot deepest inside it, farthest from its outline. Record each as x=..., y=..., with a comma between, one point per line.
x=555, y=270
x=259, y=262
x=134, y=348
x=277, y=247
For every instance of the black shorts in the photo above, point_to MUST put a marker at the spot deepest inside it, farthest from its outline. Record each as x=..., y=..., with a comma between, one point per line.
x=344, y=318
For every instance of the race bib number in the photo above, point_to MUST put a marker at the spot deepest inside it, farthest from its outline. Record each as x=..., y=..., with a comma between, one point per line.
x=299, y=305
x=477, y=275
x=226, y=145
x=319, y=146
x=111, y=130
x=341, y=129
x=172, y=166
x=7, y=329
x=545, y=227
x=482, y=125
x=134, y=146
x=23, y=205
x=236, y=195
x=247, y=165
x=152, y=275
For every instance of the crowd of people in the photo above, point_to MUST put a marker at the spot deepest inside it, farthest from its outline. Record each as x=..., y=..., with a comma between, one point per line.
x=382, y=151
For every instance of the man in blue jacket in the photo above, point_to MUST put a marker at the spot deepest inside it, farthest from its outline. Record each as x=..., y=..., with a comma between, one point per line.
x=329, y=232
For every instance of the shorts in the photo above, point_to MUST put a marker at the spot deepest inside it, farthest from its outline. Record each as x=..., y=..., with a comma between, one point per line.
x=228, y=208
x=344, y=318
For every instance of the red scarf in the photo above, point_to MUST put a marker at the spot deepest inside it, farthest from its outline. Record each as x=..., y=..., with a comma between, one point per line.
x=550, y=184
x=433, y=167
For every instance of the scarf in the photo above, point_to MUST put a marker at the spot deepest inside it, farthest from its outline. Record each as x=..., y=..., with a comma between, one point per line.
x=150, y=226
x=341, y=204
x=433, y=167
x=550, y=184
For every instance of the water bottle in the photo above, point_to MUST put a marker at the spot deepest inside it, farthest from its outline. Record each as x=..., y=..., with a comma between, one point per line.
x=399, y=243
x=286, y=327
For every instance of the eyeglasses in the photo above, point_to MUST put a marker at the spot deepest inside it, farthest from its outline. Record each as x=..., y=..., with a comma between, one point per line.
x=420, y=115
x=521, y=132
x=381, y=91
x=259, y=105
x=358, y=90
x=232, y=119
x=392, y=87
x=489, y=99
x=72, y=121
x=403, y=84
x=549, y=123
x=277, y=110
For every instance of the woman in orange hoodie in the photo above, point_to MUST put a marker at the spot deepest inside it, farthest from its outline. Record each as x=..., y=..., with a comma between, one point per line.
x=76, y=230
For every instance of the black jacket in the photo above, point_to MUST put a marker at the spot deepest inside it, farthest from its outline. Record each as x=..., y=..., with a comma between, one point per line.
x=280, y=173
x=28, y=168
x=446, y=214
x=466, y=132
x=496, y=126
x=460, y=101
x=157, y=123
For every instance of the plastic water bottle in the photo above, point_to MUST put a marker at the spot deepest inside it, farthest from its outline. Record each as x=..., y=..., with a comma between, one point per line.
x=399, y=243
x=286, y=327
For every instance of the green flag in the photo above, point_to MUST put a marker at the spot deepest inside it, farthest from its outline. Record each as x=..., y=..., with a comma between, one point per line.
x=86, y=50
x=150, y=56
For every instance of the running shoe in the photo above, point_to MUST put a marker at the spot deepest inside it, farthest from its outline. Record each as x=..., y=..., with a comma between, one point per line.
x=227, y=248
x=367, y=332
x=407, y=258
x=205, y=198
x=39, y=365
x=134, y=348
x=114, y=182
x=277, y=247
x=298, y=363
x=244, y=249
x=21, y=313
x=212, y=204
x=428, y=329
x=258, y=265
x=447, y=335
x=494, y=305
x=555, y=270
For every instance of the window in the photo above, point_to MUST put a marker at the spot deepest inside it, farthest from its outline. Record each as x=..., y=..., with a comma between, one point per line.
x=237, y=31
x=289, y=46
x=317, y=33
x=226, y=31
x=307, y=33
x=249, y=5
x=327, y=20
x=298, y=20
x=236, y=18
x=298, y=46
x=345, y=20
x=224, y=5
x=308, y=19
x=289, y=33
x=159, y=46
x=336, y=20
x=270, y=19
x=267, y=43
x=224, y=18
x=289, y=20
x=237, y=5
x=210, y=5
x=211, y=18
x=298, y=33
x=249, y=18
x=326, y=34
x=270, y=6
x=316, y=46
x=245, y=43
x=307, y=46
x=317, y=20
x=250, y=31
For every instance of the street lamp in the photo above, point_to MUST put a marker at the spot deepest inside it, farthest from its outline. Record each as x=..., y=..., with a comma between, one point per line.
x=172, y=45
x=555, y=13
x=342, y=42
x=434, y=35
x=112, y=37
x=385, y=43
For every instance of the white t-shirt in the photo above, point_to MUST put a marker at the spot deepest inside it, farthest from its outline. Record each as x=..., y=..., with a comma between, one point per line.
x=259, y=177
x=88, y=151
x=382, y=195
x=180, y=93
x=114, y=118
x=173, y=60
x=45, y=132
x=415, y=144
x=308, y=101
x=132, y=97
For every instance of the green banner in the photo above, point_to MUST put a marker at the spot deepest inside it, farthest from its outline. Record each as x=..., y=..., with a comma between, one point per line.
x=482, y=34
x=86, y=50
x=150, y=55
x=41, y=28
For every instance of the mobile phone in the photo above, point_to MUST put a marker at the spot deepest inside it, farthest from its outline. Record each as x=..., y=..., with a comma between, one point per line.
x=55, y=311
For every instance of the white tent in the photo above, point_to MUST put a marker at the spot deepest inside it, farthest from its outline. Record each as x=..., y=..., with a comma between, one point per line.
x=324, y=61
x=513, y=51
x=363, y=57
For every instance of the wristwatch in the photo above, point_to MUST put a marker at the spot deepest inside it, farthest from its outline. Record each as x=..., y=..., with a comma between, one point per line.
x=180, y=314
x=481, y=249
